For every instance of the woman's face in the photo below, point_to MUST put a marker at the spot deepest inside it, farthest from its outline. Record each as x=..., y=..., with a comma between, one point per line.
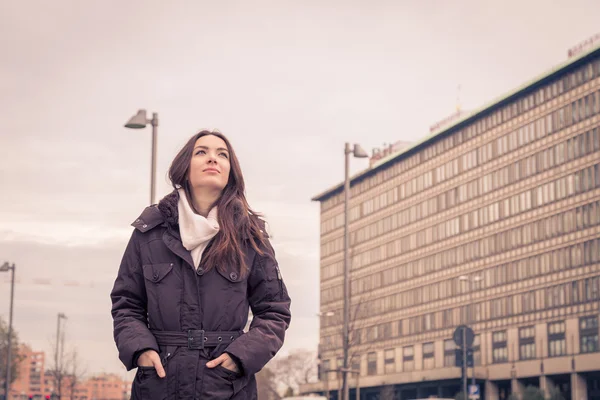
x=209, y=168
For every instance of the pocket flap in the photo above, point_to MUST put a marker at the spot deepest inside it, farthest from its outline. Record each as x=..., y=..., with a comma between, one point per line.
x=156, y=272
x=230, y=275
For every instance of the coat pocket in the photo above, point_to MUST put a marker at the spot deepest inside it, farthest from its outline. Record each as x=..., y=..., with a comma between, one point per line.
x=162, y=287
x=218, y=383
x=147, y=385
x=231, y=279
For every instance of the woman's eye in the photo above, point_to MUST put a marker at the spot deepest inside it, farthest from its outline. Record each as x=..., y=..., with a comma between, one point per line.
x=200, y=152
x=223, y=155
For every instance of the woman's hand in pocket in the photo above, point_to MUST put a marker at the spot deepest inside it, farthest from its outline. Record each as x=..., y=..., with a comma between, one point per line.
x=149, y=359
x=225, y=361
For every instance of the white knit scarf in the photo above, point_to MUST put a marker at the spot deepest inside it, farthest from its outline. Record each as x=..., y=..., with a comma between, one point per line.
x=196, y=231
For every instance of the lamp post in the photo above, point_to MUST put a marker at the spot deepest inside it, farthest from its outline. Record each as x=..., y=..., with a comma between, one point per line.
x=465, y=278
x=139, y=121
x=357, y=152
x=57, y=372
x=5, y=268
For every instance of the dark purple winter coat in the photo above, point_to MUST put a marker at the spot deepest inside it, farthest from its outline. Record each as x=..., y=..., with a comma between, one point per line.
x=160, y=302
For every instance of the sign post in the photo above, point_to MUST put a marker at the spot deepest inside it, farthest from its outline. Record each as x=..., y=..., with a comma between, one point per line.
x=464, y=337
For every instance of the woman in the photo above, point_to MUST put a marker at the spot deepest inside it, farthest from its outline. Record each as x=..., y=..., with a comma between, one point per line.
x=194, y=265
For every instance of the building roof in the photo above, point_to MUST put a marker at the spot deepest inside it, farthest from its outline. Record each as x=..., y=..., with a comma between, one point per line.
x=465, y=119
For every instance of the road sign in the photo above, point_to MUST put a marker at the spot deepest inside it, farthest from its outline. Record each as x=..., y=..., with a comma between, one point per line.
x=474, y=392
x=458, y=336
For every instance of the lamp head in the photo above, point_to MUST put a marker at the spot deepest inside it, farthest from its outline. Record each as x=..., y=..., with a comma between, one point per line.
x=138, y=121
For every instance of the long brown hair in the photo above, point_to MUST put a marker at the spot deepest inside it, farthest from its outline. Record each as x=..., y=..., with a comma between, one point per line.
x=237, y=220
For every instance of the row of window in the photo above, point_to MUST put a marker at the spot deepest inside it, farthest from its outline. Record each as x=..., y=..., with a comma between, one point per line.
x=454, y=256
x=574, y=256
x=540, y=196
x=565, y=294
x=442, y=145
x=584, y=180
x=557, y=345
x=503, y=241
x=571, y=149
x=565, y=116
x=588, y=343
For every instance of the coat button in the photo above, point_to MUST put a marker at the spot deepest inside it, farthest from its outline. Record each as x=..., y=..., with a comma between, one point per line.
x=144, y=226
x=155, y=276
x=233, y=276
x=200, y=271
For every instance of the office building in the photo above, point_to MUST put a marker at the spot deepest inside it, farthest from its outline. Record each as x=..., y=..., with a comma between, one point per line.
x=492, y=221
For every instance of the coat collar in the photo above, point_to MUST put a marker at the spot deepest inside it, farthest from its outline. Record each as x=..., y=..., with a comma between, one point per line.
x=163, y=213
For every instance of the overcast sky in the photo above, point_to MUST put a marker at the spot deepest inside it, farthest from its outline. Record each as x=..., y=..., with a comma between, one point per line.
x=287, y=81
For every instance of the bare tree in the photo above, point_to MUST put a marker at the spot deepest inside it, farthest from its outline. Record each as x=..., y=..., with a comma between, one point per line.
x=267, y=385
x=358, y=342
x=67, y=370
x=16, y=357
x=59, y=370
x=357, y=325
x=297, y=368
x=77, y=372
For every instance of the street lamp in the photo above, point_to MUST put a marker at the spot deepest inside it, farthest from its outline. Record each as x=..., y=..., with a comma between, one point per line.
x=139, y=121
x=57, y=372
x=464, y=278
x=357, y=152
x=5, y=268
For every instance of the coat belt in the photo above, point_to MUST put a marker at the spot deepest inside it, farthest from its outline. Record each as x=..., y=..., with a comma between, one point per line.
x=195, y=339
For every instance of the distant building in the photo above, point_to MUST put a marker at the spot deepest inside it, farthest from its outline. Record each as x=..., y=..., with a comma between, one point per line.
x=107, y=387
x=35, y=382
x=491, y=221
x=29, y=380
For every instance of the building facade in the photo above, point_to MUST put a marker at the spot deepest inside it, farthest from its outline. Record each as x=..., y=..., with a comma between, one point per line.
x=30, y=378
x=492, y=222
x=35, y=382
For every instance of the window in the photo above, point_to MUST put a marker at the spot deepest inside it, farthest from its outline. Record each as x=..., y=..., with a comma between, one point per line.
x=355, y=363
x=390, y=361
x=499, y=347
x=447, y=320
x=588, y=334
x=527, y=343
x=428, y=359
x=408, y=358
x=528, y=302
x=449, y=355
x=372, y=363
x=557, y=345
x=477, y=350
x=324, y=370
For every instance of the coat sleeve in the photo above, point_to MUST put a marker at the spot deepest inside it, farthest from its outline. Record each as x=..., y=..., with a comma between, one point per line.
x=129, y=313
x=270, y=305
